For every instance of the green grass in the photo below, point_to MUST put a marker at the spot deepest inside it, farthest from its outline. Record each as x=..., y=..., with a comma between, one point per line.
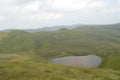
x=101, y=41
x=112, y=62
x=17, y=41
x=33, y=50
x=2, y=34
x=25, y=67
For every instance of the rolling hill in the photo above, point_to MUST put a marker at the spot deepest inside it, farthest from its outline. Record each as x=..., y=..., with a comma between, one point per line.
x=99, y=40
x=24, y=55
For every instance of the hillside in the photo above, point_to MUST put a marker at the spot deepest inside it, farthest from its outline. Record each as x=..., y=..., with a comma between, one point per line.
x=17, y=41
x=100, y=40
x=32, y=67
x=25, y=55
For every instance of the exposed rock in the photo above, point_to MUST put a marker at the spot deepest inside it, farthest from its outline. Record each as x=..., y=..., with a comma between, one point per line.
x=7, y=55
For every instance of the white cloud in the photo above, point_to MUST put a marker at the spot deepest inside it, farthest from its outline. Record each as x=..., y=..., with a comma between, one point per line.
x=117, y=10
x=92, y=6
x=70, y=4
x=32, y=7
x=45, y=16
x=97, y=5
x=2, y=18
x=54, y=12
x=103, y=7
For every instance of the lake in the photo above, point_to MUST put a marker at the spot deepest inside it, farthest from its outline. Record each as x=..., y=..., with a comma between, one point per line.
x=88, y=61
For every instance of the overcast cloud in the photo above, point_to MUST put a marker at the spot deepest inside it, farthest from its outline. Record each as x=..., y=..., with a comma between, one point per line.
x=19, y=14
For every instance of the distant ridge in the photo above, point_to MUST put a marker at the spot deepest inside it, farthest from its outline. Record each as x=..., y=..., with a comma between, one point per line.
x=45, y=28
x=52, y=28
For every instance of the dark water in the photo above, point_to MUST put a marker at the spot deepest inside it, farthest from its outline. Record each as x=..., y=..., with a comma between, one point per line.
x=89, y=61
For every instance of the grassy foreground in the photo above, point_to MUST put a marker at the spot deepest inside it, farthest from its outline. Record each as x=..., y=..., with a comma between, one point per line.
x=111, y=62
x=33, y=67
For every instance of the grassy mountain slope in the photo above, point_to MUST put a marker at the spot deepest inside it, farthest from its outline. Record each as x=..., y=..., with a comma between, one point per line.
x=30, y=52
x=79, y=41
x=111, y=62
x=100, y=40
x=2, y=34
x=17, y=41
x=32, y=67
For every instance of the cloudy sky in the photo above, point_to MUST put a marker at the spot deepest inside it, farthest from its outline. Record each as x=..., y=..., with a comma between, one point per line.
x=19, y=14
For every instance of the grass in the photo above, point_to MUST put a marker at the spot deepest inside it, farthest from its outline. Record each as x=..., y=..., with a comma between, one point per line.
x=31, y=52
x=2, y=34
x=25, y=67
x=112, y=62
x=80, y=41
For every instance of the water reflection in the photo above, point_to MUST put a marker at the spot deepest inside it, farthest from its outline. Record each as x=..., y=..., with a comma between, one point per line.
x=89, y=61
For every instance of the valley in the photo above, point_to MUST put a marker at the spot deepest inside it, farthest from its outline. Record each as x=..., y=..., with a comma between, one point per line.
x=25, y=55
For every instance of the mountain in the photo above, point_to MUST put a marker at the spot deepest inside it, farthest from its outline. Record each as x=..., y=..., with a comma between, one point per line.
x=69, y=27
x=102, y=40
x=25, y=55
x=7, y=30
x=51, y=28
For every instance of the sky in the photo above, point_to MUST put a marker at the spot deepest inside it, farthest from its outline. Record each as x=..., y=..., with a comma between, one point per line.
x=28, y=14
